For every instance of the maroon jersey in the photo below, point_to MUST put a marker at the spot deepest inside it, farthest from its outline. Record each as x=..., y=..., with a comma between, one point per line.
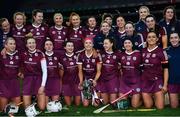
x=110, y=66
x=19, y=35
x=31, y=63
x=160, y=31
x=130, y=63
x=52, y=65
x=10, y=65
x=89, y=64
x=39, y=33
x=59, y=36
x=90, y=33
x=70, y=69
x=76, y=36
x=151, y=59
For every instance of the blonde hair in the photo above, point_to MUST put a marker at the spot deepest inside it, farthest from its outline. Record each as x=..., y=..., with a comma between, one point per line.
x=20, y=13
x=145, y=7
x=71, y=15
x=57, y=14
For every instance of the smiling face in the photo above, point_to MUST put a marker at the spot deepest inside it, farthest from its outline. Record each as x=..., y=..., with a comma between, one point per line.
x=108, y=20
x=48, y=46
x=150, y=22
x=105, y=27
x=152, y=39
x=120, y=22
x=107, y=45
x=19, y=20
x=31, y=44
x=128, y=45
x=5, y=26
x=58, y=19
x=75, y=21
x=38, y=18
x=10, y=45
x=143, y=12
x=169, y=14
x=129, y=29
x=92, y=22
x=88, y=44
x=69, y=47
x=174, y=39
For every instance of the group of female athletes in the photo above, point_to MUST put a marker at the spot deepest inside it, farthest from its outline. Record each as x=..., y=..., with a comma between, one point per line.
x=55, y=61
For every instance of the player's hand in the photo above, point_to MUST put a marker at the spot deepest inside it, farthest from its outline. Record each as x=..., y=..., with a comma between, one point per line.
x=41, y=90
x=80, y=87
x=164, y=89
x=94, y=83
x=3, y=52
x=20, y=75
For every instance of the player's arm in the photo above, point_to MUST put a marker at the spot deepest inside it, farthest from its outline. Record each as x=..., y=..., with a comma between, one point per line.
x=164, y=41
x=98, y=72
x=44, y=75
x=80, y=74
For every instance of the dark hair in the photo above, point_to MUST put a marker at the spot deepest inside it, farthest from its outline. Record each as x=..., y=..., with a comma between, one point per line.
x=113, y=41
x=34, y=13
x=151, y=16
x=65, y=43
x=105, y=15
x=132, y=41
x=174, y=11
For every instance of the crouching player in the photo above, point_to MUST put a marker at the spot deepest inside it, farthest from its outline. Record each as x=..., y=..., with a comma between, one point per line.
x=35, y=76
x=10, y=71
x=89, y=65
x=131, y=73
x=174, y=74
x=69, y=72
x=155, y=73
x=52, y=89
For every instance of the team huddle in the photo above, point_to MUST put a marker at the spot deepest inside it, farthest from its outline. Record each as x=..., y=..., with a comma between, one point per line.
x=90, y=64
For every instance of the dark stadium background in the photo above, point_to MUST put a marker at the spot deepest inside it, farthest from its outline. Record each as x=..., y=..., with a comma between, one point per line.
x=127, y=8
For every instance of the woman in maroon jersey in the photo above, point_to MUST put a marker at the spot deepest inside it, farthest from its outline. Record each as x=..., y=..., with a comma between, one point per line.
x=35, y=74
x=89, y=65
x=53, y=84
x=75, y=32
x=69, y=75
x=58, y=33
x=10, y=71
x=131, y=73
x=110, y=71
x=19, y=30
x=155, y=73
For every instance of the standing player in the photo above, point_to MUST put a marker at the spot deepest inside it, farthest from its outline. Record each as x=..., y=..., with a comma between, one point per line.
x=35, y=74
x=38, y=29
x=170, y=22
x=136, y=39
x=174, y=74
x=140, y=26
x=91, y=29
x=155, y=73
x=10, y=71
x=105, y=32
x=131, y=73
x=75, y=32
x=6, y=28
x=69, y=72
x=52, y=89
x=110, y=71
x=58, y=33
x=89, y=65
x=19, y=30
x=120, y=32
x=160, y=32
